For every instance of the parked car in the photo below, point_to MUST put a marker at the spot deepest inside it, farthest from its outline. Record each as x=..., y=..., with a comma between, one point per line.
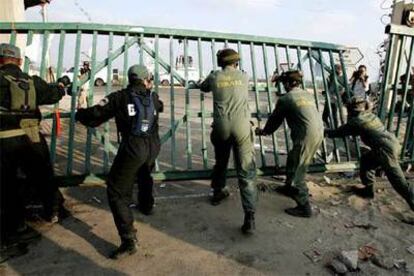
x=193, y=76
x=100, y=77
x=193, y=73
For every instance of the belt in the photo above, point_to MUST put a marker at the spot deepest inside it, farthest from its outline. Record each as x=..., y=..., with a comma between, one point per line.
x=11, y=133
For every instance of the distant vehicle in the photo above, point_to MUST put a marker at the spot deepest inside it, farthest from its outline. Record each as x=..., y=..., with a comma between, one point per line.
x=100, y=77
x=193, y=73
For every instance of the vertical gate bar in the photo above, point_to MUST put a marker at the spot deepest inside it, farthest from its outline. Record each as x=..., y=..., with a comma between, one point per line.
x=339, y=103
x=348, y=94
x=73, y=103
x=299, y=65
x=315, y=93
x=108, y=89
x=395, y=85
x=29, y=41
x=410, y=122
x=279, y=86
x=13, y=36
x=287, y=57
x=384, y=88
x=226, y=43
x=141, y=50
x=125, y=73
x=157, y=78
x=187, y=107
x=328, y=98
x=202, y=106
x=270, y=102
x=59, y=69
x=172, y=104
x=44, y=54
x=213, y=54
x=240, y=50
x=257, y=101
x=156, y=64
x=405, y=87
x=88, y=146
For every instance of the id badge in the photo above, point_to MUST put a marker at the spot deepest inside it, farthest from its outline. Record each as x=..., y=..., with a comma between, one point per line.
x=144, y=125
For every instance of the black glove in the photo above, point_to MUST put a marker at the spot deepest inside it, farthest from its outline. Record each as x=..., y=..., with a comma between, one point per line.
x=64, y=80
x=61, y=91
x=260, y=132
x=326, y=132
x=79, y=115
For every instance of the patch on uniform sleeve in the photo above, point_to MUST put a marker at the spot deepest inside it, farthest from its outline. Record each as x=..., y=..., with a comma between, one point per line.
x=103, y=102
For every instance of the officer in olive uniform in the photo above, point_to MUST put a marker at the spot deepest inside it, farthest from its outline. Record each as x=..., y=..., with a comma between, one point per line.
x=232, y=130
x=298, y=108
x=334, y=99
x=385, y=150
x=136, y=111
x=21, y=145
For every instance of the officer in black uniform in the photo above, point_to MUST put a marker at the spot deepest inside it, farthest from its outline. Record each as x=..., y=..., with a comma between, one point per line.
x=136, y=111
x=22, y=147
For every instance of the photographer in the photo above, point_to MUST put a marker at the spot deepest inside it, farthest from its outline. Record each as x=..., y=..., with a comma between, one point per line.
x=360, y=83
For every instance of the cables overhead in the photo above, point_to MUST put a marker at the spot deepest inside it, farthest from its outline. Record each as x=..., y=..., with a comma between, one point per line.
x=82, y=10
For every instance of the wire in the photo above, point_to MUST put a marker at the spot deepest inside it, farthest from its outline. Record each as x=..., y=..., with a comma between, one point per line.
x=82, y=10
x=382, y=19
x=385, y=8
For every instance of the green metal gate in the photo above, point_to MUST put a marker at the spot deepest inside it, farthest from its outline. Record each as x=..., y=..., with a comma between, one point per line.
x=396, y=104
x=187, y=151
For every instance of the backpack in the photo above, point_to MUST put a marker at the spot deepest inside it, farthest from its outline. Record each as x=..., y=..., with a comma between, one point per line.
x=144, y=109
x=22, y=94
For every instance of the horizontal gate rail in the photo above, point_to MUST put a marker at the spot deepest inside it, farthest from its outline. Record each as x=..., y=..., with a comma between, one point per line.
x=185, y=128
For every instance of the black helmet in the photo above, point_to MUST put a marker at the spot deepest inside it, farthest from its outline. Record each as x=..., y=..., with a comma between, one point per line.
x=227, y=56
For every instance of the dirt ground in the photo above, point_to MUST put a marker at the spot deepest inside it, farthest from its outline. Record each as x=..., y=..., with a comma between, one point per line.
x=188, y=236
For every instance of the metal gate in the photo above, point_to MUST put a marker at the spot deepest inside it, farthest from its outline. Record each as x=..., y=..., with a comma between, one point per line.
x=396, y=104
x=178, y=58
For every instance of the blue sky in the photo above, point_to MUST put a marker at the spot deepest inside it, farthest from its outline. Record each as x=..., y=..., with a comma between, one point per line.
x=351, y=22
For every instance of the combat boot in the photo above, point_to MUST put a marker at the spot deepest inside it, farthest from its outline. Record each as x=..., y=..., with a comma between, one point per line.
x=127, y=247
x=286, y=190
x=249, y=225
x=304, y=211
x=57, y=216
x=366, y=192
x=219, y=196
x=148, y=211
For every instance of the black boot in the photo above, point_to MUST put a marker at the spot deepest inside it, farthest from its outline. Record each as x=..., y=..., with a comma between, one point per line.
x=366, y=192
x=148, y=211
x=286, y=190
x=219, y=196
x=127, y=247
x=57, y=216
x=304, y=211
x=249, y=224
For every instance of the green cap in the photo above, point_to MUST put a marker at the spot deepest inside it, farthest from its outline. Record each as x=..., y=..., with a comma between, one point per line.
x=140, y=71
x=227, y=56
x=289, y=76
x=8, y=50
x=358, y=104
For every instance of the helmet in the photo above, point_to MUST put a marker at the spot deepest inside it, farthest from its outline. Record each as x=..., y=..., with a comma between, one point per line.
x=138, y=71
x=289, y=77
x=227, y=56
x=10, y=51
x=358, y=104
